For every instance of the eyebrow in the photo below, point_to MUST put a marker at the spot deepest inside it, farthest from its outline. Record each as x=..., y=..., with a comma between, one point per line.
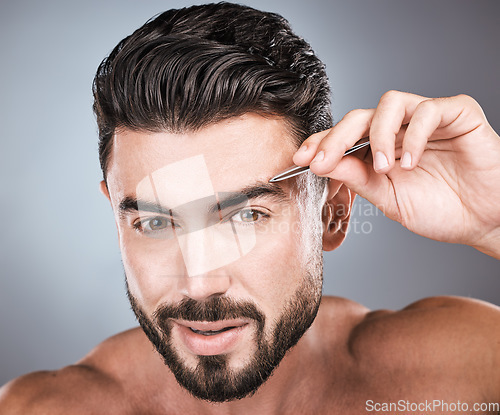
x=270, y=191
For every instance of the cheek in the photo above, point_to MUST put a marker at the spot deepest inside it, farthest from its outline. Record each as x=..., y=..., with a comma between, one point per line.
x=150, y=269
x=273, y=270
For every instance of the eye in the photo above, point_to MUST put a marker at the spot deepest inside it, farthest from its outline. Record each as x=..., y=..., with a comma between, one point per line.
x=153, y=226
x=156, y=224
x=248, y=216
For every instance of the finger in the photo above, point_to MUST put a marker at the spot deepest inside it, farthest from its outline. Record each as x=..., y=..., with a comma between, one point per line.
x=426, y=119
x=360, y=177
x=366, y=154
x=308, y=148
x=354, y=126
x=433, y=119
x=394, y=110
x=334, y=151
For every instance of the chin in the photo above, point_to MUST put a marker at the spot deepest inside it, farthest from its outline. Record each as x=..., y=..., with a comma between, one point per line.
x=230, y=374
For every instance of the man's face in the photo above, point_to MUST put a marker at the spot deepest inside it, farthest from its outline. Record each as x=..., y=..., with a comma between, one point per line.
x=214, y=256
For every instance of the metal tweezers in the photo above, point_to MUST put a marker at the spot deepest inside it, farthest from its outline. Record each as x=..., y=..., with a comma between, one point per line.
x=296, y=170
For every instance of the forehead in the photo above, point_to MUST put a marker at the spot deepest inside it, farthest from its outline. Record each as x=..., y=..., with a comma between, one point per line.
x=229, y=154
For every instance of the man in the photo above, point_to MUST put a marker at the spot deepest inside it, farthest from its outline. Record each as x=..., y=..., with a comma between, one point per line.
x=197, y=111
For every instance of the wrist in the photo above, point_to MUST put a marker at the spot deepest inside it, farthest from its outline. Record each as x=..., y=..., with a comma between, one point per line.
x=489, y=244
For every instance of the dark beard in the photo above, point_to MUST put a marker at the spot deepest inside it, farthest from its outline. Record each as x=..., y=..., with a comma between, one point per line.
x=212, y=380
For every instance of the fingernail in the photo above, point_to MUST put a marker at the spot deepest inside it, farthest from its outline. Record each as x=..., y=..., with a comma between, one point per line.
x=303, y=149
x=319, y=157
x=406, y=160
x=380, y=161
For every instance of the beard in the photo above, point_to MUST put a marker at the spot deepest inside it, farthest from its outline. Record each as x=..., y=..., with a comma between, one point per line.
x=213, y=379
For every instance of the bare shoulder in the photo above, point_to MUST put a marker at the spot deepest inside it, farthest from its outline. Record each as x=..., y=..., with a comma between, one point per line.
x=84, y=387
x=339, y=310
x=120, y=352
x=453, y=334
x=442, y=316
x=76, y=389
x=335, y=321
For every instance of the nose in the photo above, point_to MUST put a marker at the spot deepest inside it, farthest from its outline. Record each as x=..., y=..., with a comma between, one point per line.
x=202, y=287
x=206, y=255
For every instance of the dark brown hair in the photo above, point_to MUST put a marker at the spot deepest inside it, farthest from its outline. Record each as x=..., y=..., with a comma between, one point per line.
x=194, y=66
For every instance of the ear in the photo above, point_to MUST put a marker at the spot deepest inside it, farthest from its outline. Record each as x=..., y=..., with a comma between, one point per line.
x=336, y=214
x=103, y=187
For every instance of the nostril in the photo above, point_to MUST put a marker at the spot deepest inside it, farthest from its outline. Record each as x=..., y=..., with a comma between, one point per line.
x=202, y=287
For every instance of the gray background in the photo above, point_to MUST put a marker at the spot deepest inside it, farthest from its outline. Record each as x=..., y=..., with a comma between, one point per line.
x=61, y=281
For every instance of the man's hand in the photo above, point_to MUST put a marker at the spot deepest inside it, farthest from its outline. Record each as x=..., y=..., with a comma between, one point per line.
x=445, y=184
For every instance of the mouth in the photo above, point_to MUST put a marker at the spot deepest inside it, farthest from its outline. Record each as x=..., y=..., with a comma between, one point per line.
x=211, y=332
x=209, y=338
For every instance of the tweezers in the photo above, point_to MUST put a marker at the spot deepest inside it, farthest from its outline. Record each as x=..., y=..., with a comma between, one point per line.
x=296, y=170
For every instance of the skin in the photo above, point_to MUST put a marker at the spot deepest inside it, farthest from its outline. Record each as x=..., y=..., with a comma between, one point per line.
x=440, y=348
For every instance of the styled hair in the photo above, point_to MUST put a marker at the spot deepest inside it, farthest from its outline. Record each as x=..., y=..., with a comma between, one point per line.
x=191, y=67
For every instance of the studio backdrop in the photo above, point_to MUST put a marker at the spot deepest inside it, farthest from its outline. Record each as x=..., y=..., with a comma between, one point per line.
x=61, y=281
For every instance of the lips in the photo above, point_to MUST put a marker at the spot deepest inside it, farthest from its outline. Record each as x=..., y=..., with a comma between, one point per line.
x=212, y=325
x=209, y=338
x=211, y=332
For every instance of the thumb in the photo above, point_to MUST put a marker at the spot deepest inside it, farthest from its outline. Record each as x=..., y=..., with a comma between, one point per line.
x=360, y=177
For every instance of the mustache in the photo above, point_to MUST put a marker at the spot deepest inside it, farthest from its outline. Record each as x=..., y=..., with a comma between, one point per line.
x=211, y=309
